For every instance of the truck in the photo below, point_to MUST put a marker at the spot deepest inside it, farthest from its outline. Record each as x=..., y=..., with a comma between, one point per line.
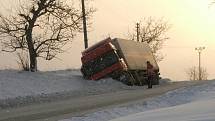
x=121, y=59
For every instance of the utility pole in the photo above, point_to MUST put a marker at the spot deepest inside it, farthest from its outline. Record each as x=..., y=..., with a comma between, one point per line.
x=138, y=31
x=84, y=24
x=199, y=50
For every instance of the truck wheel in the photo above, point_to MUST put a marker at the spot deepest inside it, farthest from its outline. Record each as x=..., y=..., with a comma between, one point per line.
x=155, y=81
x=125, y=78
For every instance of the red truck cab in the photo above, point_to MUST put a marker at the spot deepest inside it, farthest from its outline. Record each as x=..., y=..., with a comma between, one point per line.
x=101, y=60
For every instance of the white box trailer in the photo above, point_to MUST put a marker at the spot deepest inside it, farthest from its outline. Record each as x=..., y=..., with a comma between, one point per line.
x=135, y=54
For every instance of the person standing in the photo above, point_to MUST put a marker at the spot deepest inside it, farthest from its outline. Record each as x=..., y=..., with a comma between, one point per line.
x=150, y=74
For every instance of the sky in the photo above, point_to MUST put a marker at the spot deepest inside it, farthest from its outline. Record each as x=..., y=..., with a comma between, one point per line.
x=192, y=25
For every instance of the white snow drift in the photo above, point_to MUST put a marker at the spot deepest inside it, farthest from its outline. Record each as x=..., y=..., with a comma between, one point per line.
x=19, y=88
x=195, y=103
x=20, y=84
x=195, y=111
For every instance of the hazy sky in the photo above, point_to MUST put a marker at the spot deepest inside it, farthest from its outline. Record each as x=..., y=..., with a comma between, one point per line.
x=192, y=25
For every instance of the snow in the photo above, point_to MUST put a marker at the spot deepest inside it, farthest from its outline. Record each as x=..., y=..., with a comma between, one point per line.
x=195, y=111
x=19, y=88
x=195, y=103
x=15, y=83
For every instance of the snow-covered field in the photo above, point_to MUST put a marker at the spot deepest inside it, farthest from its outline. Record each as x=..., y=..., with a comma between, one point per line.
x=18, y=88
x=196, y=103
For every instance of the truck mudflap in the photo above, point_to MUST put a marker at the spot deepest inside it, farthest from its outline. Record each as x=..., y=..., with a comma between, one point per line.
x=120, y=66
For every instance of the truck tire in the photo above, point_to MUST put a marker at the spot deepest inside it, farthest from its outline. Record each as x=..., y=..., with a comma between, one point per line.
x=156, y=80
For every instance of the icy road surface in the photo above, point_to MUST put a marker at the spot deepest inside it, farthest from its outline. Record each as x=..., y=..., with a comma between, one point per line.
x=192, y=103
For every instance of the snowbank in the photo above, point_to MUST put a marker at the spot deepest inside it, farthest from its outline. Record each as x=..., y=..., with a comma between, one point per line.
x=194, y=98
x=195, y=111
x=20, y=88
x=15, y=84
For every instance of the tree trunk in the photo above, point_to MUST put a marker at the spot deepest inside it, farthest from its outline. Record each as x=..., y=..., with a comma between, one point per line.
x=32, y=51
x=33, y=61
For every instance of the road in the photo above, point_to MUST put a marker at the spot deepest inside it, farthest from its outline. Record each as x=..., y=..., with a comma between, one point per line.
x=54, y=111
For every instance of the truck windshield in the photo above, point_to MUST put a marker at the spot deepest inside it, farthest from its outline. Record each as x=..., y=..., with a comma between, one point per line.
x=100, y=63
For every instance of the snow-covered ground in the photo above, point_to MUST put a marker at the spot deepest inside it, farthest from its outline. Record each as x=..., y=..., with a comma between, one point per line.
x=18, y=88
x=196, y=103
x=203, y=110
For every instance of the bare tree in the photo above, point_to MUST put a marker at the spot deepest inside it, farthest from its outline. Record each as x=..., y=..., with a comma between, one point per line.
x=41, y=27
x=23, y=61
x=154, y=33
x=193, y=73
